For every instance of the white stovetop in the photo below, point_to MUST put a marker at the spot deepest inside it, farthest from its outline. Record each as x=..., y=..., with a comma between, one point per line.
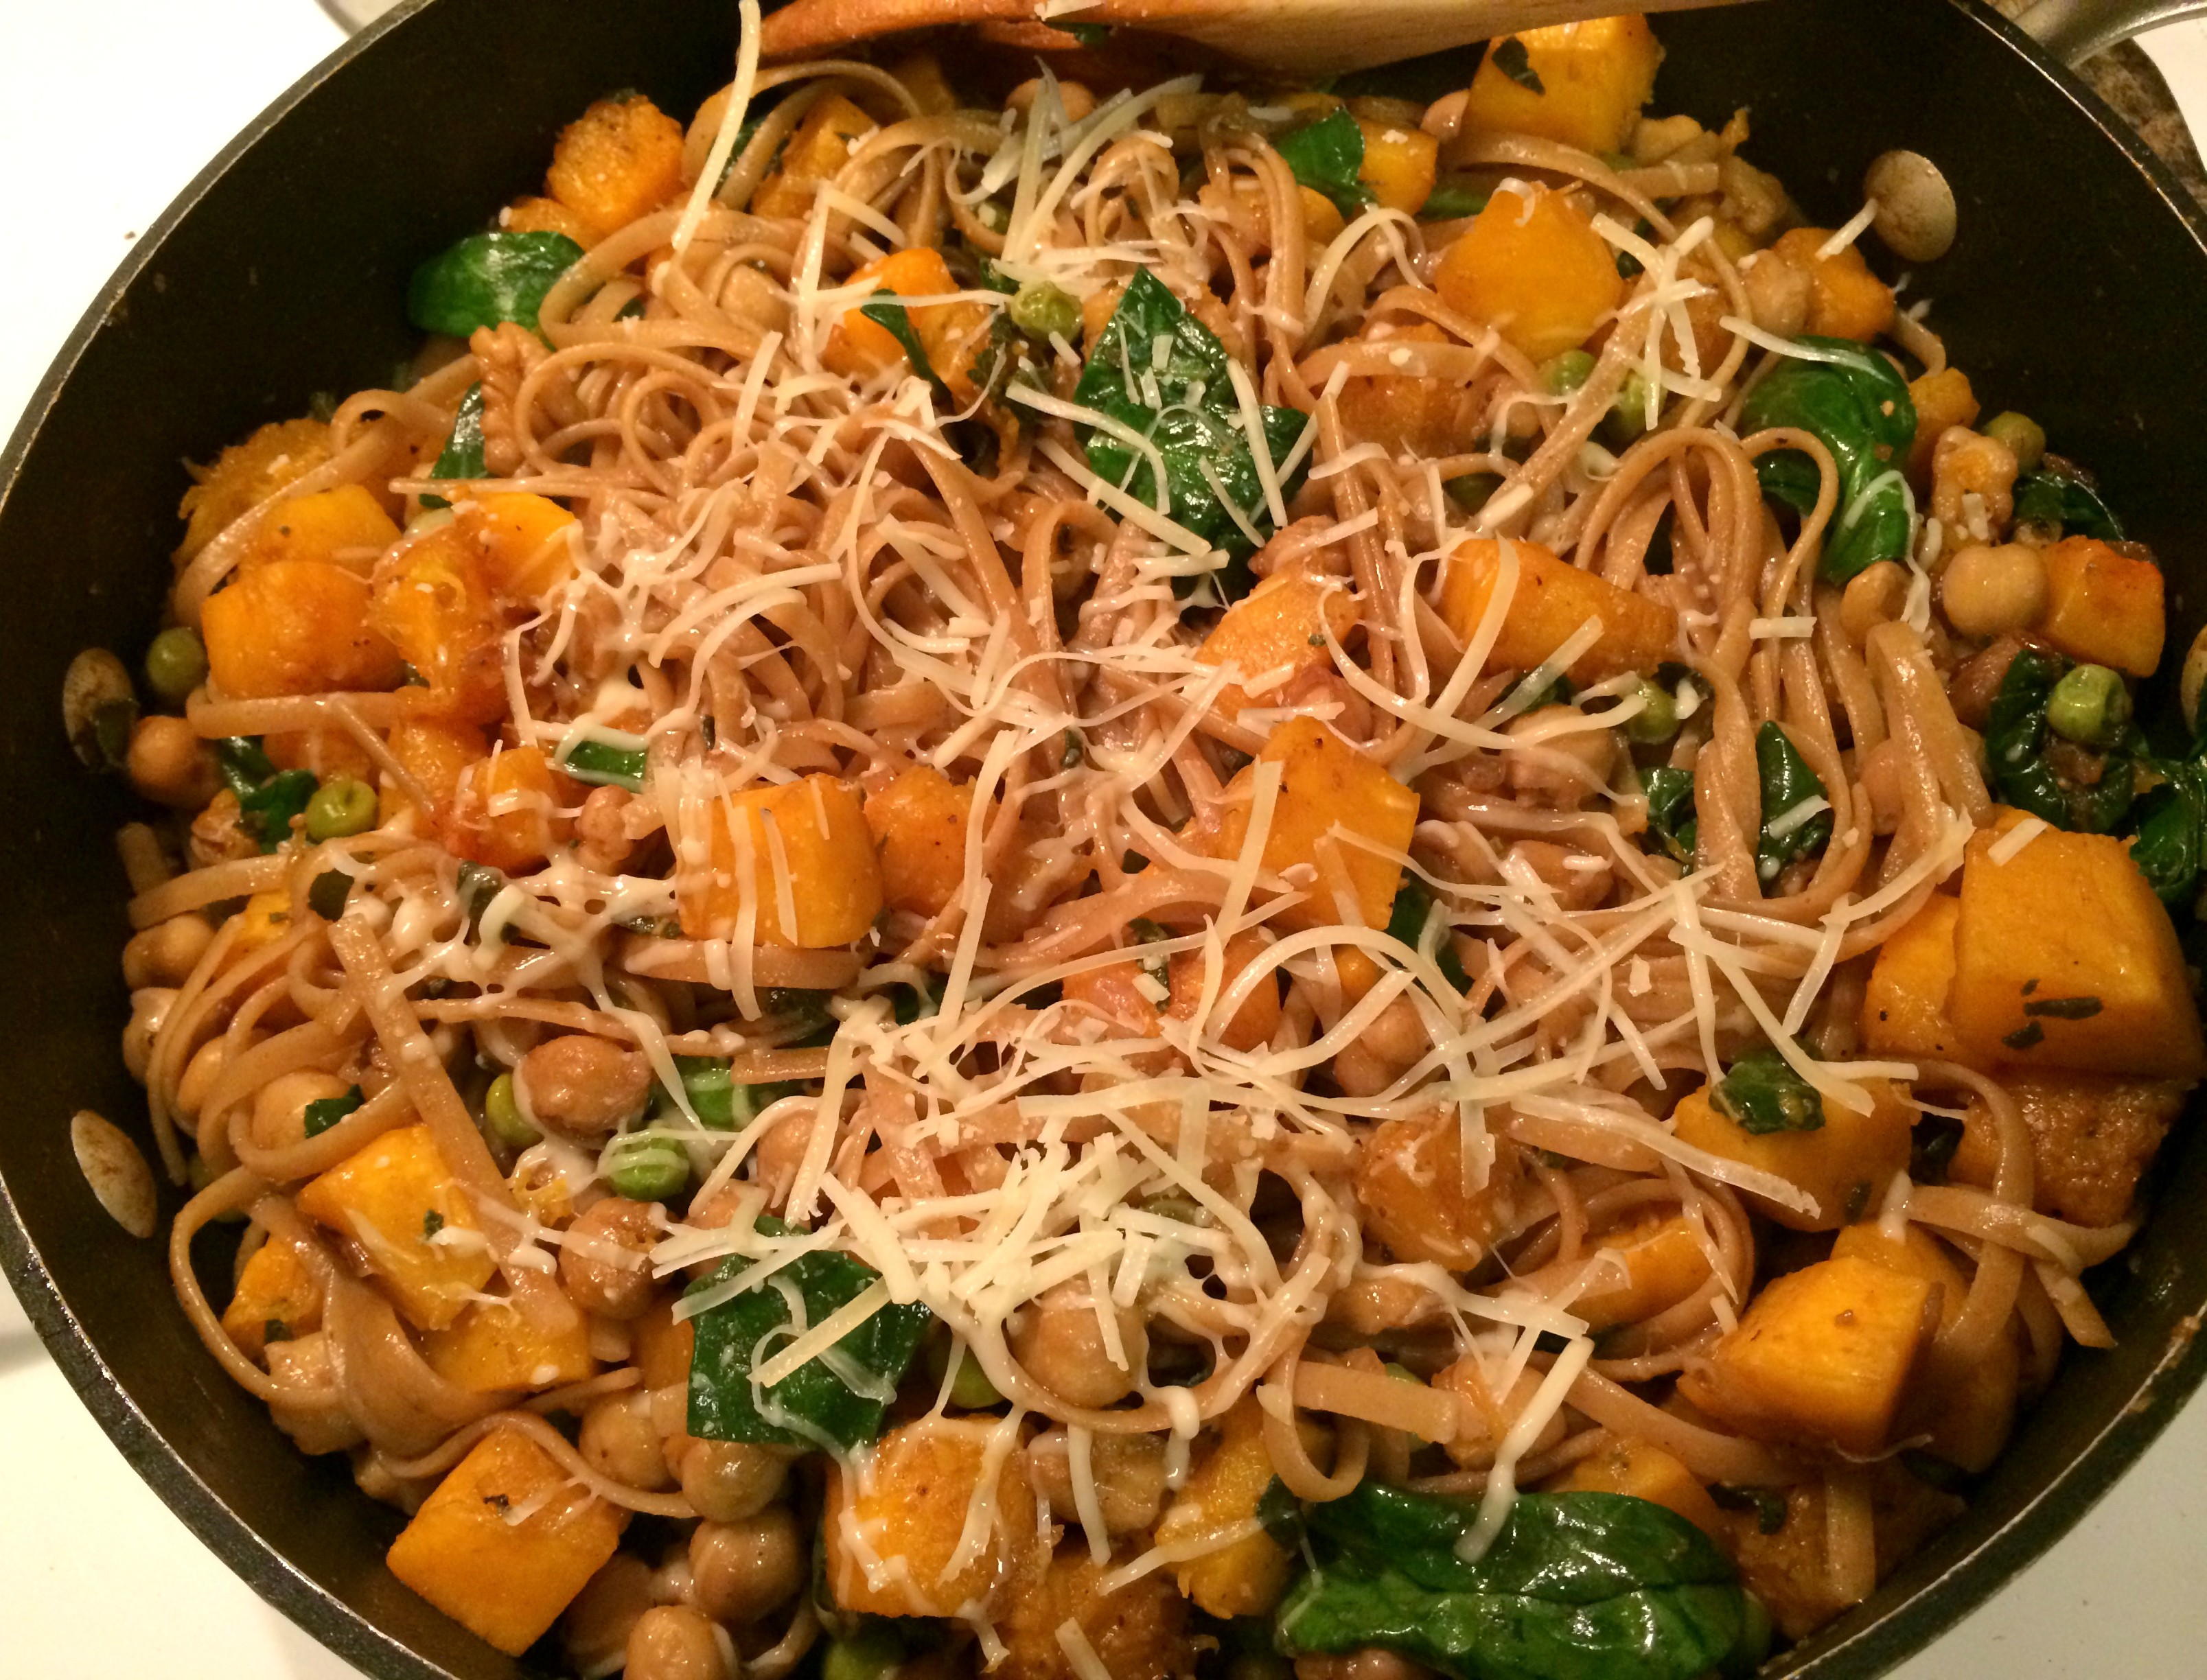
x=107, y=109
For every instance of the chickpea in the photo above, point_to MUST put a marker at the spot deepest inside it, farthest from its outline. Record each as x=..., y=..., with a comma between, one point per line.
x=1779, y=293
x=596, y=1627
x=165, y=953
x=200, y=1075
x=1873, y=596
x=726, y=1482
x=581, y=1086
x=1076, y=99
x=1061, y=1345
x=604, y=845
x=170, y=764
x=604, y=1264
x=672, y=1643
x=1972, y=482
x=778, y=1154
x=279, y=1112
x=1395, y=1039
x=2194, y=677
x=1555, y=763
x=149, y=1006
x=1987, y=591
x=1884, y=777
x=618, y=1439
x=742, y=1571
x=1580, y=881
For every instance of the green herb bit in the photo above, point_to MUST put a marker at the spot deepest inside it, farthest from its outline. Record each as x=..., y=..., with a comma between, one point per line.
x=1412, y=918
x=1510, y=56
x=432, y=1222
x=1451, y=202
x=870, y=1651
x=324, y=1112
x=1767, y=1504
x=1763, y=1094
x=1857, y=403
x=603, y=764
x=176, y=663
x=1076, y=752
x=2060, y=499
x=267, y=798
x=884, y=311
x=1670, y=814
x=1328, y=157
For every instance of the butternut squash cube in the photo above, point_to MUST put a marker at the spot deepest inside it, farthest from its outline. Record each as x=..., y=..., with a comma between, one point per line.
x=437, y=754
x=895, y=1517
x=1665, y=1263
x=1275, y=634
x=492, y=1348
x=1121, y=994
x=1845, y=300
x=1966, y=1406
x=276, y=1297
x=1410, y=1189
x=1221, y=1493
x=1552, y=599
x=620, y=159
x=1904, y=1008
x=1138, y=1632
x=433, y=603
x=508, y=810
x=919, y=825
x=246, y=474
x=1822, y=1357
x=1399, y=164
x=2102, y=605
x=265, y=918
x=818, y=146
x=397, y=1202
x=532, y=214
x=1406, y=415
x=1583, y=83
x=1531, y=267
x=526, y=542
x=1649, y=1473
x=320, y=526
x=1941, y=400
x=952, y=335
x=663, y=1345
x=2064, y=958
x=1845, y=1164
x=810, y=869
x=505, y=1542
x=1324, y=784
x=294, y=627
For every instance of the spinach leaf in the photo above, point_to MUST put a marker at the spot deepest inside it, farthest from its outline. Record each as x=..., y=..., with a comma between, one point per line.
x=1510, y=57
x=2170, y=829
x=602, y=764
x=1576, y=1587
x=1763, y=1094
x=487, y=279
x=884, y=311
x=326, y=896
x=1412, y=916
x=267, y=798
x=1859, y=406
x=2061, y=500
x=1451, y=200
x=1158, y=371
x=462, y=454
x=719, y=1101
x=1671, y=816
x=2016, y=743
x=1327, y=156
x=324, y=1112
x=1786, y=782
x=835, y=1402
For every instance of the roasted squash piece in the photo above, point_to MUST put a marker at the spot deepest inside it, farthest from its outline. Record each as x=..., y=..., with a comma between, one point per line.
x=246, y=474
x=320, y=526
x=277, y=1300
x=436, y=754
x=1127, y=993
x=1399, y=163
x=2103, y=605
x=1531, y=267
x=1247, y=1577
x=262, y=920
x=1845, y=1163
x=1580, y=83
x=1411, y=1192
x=506, y=1541
x=919, y=825
x=1275, y=634
x=619, y=160
x=1138, y=1633
x=1648, y=1473
x=1941, y=400
x=525, y=542
x=807, y=867
x=542, y=215
x=1845, y=300
x=819, y=146
x=396, y=1201
x=1904, y=1008
x=1551, y=601
x=1665, y=1263
x=895, y=1517
x=508, y=810
x=491, y=1348
x=433, y=605
x=1821, y=1357
x=294, y=627
x=953, y=336
x=1402, y=413
x=2064, y=958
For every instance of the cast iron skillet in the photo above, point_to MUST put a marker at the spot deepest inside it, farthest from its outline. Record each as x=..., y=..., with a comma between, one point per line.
x=2071, y=294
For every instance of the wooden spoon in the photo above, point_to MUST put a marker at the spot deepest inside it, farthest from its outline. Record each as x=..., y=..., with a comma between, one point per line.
x=1298, y=38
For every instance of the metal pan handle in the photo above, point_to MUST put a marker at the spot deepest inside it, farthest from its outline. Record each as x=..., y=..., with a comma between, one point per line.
x=2074, y=30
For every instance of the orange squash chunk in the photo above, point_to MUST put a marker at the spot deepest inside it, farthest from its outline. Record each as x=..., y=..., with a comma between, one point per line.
x=808, y=837
x=2103, y=607
x=2064, y=958
x=619, y=160
x=525, y=542
x=1247, y=1577
x=1593, y=78
x=818, y=146
x=1648, y=1473
x=504, y=1576
x=1665, y=1263
x=508, y=810
x=919, y=825
x=433, y=603
x=1532, y=266
x=895, y=1517
x=1845, y=300
x=1410, y=1189
x=1941, y=400
x=492, y=1348
x=1845, y=1164
x=1399, y=164
x=392, y=1199
x=1324, y=784
x=276, y=1296
x=437, y=754
x=1122, y=994
x=1275, y=634
x=319, y=527
x=246, y=474
x=294, y=627
x=952, y=335
x=1822, y=1357
x=1904, y=1008
x=1553, y=598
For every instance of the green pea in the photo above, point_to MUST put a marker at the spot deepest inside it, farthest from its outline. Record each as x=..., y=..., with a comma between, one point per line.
x=2090, y=706
x=1402, y=1373
x=502, y=1114
x=648, y=1167
x=2024, y=437
x=1041, y=308
x=1657, y=720
x=1473, y=491
x=340, y=806
x=1627, y=416
x=970, y=1389
x=1564, y=374
x=869, y=1651
x=176, y=663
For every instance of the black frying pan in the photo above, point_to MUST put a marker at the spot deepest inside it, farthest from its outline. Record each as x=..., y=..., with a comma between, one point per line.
x=2073, y=293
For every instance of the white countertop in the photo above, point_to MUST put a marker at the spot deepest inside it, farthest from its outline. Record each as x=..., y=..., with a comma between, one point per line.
x=107, y=109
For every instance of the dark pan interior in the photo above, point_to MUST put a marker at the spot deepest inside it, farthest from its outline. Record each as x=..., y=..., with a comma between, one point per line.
x=2071, y=294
